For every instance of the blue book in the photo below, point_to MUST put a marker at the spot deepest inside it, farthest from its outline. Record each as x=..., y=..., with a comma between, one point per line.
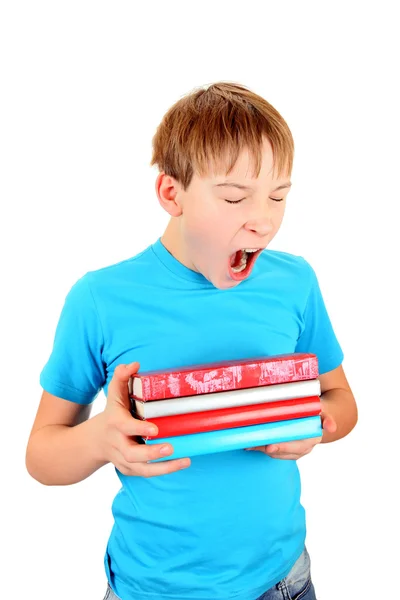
x=238, y=438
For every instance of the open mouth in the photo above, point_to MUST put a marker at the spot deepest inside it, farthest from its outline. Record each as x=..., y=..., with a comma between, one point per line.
x=242, y=262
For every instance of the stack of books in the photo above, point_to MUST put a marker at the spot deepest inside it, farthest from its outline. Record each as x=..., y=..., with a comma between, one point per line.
x=237, y=404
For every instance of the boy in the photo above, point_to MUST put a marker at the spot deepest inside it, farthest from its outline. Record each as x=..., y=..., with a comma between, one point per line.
x=228, y=525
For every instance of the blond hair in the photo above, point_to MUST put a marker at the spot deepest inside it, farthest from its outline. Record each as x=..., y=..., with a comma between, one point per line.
x=207, y=129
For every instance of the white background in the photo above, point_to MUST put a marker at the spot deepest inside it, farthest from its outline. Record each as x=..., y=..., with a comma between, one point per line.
x=83, y=88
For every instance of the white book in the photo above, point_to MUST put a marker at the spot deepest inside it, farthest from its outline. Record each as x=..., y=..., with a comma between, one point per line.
x=215, y=400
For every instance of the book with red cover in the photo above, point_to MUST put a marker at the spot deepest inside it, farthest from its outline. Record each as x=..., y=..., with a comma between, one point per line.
x=226, y=418
x=222, y=376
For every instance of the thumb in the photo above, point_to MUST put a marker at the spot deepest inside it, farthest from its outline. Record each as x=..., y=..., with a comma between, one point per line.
x=118, y=386
x=329, y=424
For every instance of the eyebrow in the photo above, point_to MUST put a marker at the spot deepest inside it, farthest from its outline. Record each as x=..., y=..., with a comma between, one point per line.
x=245, y=187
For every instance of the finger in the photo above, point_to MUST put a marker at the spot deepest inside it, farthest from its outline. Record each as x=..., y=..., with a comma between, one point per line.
x=118, y=386
x=158, y=468
x=281, y=455
x=144, y=453
x=286, y=448
x=128, y=425
x=136, y=463
x=293, y=448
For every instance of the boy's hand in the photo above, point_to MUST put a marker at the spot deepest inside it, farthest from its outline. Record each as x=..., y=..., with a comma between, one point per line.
x=118, y=429
x=296, y=449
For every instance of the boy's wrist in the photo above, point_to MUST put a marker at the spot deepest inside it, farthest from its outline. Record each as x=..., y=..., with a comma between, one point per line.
x=96, y=435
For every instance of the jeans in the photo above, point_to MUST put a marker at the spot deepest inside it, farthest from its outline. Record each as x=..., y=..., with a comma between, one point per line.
x=297, y=585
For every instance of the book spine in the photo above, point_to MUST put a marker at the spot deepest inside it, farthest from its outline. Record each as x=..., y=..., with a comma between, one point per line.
x=246, y=397
x=238, y=438
x=205, y=380
x=239, y=416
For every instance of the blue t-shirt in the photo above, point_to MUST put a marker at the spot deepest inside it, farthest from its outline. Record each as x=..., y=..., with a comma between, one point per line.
x=231, y=525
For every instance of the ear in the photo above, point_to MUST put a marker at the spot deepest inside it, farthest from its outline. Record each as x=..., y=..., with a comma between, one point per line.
x=167, y=189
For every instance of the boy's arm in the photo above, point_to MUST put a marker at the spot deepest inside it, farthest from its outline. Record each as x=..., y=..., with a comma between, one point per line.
x=338, y=403
x=65, y=446
x=62, y=446
x=338, y=416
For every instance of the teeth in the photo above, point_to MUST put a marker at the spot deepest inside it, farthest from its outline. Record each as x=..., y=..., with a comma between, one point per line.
x=241, y=267
x=250, y=249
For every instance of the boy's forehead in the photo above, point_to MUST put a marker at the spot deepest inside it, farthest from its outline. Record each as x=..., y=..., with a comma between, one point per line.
x=220, y=172
x=244, y=173
x=246, y=180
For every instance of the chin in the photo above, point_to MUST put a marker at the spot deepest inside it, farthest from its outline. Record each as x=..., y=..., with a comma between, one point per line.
x=224, y=285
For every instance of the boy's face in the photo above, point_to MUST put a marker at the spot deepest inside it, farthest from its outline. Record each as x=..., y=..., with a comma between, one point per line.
x=208, y=233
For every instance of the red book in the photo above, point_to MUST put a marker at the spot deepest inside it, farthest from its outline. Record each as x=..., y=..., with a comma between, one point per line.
x=239, y=416
x=223, y=376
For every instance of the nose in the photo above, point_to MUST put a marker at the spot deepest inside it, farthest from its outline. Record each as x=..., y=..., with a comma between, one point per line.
x=261, y=226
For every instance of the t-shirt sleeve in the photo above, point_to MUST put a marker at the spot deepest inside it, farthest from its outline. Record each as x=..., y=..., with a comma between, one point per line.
x=317, y=334
x=75, y=370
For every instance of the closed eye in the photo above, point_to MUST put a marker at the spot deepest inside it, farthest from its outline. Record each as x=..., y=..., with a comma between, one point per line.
x=234, y=201
x=237, y=201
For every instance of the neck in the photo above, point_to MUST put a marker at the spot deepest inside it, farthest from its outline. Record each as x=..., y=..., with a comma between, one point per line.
x=172, y=240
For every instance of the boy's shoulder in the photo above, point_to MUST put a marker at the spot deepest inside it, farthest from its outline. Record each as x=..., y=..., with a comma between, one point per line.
x=141, y=260
x=135, y=268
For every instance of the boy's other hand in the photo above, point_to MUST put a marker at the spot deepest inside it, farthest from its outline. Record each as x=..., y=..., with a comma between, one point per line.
x=298, y=448
x=118, y=429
